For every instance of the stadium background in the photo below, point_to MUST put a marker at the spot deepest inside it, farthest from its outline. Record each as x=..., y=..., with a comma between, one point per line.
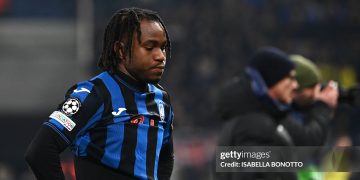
x=46, y=46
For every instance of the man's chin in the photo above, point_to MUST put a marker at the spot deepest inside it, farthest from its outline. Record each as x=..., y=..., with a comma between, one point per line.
x=149, y=79
x=154, y=80
x=287, y=101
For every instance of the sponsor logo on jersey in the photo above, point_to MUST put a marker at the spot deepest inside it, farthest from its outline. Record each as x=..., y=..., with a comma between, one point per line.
x=81, y=90
x=137, y=120
x=63, y=120
x=119, y=111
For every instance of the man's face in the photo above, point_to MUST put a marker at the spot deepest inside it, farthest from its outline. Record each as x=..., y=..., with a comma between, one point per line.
x=284, y=90
x=148, y=59
x=307, y=95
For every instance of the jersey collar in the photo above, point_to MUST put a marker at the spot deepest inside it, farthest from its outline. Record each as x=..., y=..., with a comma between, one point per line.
x=130, y=82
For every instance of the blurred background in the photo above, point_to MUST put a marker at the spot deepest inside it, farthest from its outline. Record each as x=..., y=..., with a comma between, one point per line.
x=46, y=46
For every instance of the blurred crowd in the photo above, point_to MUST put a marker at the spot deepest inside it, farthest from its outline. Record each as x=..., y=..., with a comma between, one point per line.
x=213, y=40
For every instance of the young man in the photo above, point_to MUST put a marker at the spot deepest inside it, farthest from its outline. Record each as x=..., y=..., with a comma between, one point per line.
x=253, y=105
x=119, y=123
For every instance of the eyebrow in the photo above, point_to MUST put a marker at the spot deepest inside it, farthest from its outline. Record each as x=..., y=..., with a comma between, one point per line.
x=154, y=42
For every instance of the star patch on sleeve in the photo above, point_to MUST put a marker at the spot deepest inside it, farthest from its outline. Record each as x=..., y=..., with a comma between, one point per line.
x=71, y=106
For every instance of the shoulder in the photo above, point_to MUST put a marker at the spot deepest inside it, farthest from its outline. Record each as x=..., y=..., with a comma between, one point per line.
x=261, y=122
x=157, y=88
x=88, y=88
x=105, y=83
x=81, y=89
x=236, y=98
x=250, y=129
x=160, y=88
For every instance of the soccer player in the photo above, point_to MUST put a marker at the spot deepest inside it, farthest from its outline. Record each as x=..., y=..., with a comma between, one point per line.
x=119, y=123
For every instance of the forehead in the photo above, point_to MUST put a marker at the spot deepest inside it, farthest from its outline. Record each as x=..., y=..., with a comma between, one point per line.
x=152, y=30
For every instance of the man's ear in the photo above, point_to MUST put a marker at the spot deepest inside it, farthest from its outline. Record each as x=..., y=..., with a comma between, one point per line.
x=119, y=50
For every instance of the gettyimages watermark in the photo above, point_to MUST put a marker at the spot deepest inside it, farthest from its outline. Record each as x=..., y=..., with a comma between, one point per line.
x=286, y=159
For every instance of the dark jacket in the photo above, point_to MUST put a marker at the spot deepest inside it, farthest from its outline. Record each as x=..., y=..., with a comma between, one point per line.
x=251, y=118
x=244, y=101
x=309, y=125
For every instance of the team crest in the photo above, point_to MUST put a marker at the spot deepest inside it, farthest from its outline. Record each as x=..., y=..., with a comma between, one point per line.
x=71, y=106
x=161, y=111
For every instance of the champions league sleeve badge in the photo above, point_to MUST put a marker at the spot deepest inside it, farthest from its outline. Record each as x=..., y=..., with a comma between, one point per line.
x=71, y=106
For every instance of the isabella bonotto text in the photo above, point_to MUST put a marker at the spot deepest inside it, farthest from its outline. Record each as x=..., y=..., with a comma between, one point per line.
x=262, y=164
x=286, y=158
x=258, y=159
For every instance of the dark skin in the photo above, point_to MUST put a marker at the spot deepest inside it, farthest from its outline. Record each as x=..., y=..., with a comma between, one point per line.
x=148, y=58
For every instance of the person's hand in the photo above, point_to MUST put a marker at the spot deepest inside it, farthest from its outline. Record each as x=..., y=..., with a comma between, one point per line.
x=329, y=95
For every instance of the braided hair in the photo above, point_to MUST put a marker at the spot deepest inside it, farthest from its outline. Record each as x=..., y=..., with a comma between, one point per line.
x=122, y=26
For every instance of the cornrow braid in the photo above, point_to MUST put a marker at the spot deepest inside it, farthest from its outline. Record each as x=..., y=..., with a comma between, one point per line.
x=121, y=27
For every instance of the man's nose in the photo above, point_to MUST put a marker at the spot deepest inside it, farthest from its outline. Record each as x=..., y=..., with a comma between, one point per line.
x=295, y=84
x=160, y=55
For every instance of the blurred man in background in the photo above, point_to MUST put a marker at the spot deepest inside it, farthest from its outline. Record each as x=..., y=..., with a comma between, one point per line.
x=254, y=105
x=313, y=106
x=119, y=123
x=312, y=110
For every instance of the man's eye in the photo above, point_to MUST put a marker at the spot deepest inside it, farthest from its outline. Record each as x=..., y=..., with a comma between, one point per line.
x=163, y=48
x=149, y=48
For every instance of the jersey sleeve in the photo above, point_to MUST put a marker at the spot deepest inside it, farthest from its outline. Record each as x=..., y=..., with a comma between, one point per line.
x=168, y=127
x=166, y=159
x=80, y=110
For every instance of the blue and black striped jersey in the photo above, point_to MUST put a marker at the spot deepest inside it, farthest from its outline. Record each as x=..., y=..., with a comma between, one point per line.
x=119, y=122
